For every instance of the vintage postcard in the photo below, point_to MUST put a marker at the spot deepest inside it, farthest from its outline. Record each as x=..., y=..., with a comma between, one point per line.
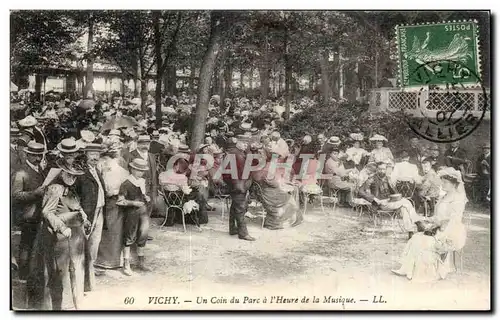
x=250, y=160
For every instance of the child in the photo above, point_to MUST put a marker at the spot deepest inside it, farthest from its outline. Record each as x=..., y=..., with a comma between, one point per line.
x=132, y=197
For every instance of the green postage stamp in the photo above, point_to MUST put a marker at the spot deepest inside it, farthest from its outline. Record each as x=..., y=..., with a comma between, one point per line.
x=438, y=54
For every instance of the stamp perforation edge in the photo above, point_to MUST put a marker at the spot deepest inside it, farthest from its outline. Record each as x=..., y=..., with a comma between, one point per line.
x=415, y=88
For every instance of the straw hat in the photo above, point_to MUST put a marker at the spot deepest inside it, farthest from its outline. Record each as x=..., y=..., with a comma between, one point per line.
x=433, y=147
x=87, y=136
x=14, y=132
x=115, y=132
x=63, y=165
x=378, y=137
x=139, y=164
x=333, y=140
x=34, y=148
x=28, y=122
x=356, y=136
x=184, y=149
x=68, y=146
x=246, y=126
x=201, y=147
x=94, y=147
x=144, y=138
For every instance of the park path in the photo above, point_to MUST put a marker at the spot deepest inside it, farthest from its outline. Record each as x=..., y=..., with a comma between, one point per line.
x=332, y=255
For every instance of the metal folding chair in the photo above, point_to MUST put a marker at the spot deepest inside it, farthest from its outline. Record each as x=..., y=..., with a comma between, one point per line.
x=256, y=194
x=223, y=196
x=332, y=194
x=174, y=199
x=307, y=194
x=407, y=189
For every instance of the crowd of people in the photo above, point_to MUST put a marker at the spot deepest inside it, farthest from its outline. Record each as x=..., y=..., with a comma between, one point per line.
x=88, y=176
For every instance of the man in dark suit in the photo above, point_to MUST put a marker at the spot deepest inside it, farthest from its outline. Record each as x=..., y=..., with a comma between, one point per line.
x=483, y=168
x=90, y=188
x=378, y=189
x=456, y=157
x=238, y=190
x=27, y=195
x=416, y=153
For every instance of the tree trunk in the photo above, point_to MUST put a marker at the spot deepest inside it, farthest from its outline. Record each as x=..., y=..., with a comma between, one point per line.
x=288, y=77
x=250, y=77
x=142, y=84
x=264, y=82
x=206, y=71
x=88, y=92
x=242, y=76
x=325, y=83
x=192, y=69
x=137, y=86
x=123, y=88
x=172, y=79
x=228, y=80
x=38, y=87
x=159, y=67
x=144, y=95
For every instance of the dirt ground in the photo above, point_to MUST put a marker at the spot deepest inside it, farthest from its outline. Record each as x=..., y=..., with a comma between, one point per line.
x=334, y=255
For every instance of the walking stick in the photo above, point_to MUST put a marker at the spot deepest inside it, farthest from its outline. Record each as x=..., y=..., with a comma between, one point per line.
x=72, y=277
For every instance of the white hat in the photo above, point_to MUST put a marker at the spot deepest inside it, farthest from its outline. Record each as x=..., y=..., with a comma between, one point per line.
x=333, y=140
x=87, y=136
x=451, y=172
x=114, y=132
x=27, y=122
x=378, y=137
x=356, y=136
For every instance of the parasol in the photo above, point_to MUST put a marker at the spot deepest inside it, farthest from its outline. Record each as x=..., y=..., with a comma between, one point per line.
x=86, y=104
x=116, y=122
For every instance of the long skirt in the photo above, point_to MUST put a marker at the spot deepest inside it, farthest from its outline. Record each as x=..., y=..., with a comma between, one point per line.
x=110, y=248
x=57, y=271
x=420, y=261
x=279, y=206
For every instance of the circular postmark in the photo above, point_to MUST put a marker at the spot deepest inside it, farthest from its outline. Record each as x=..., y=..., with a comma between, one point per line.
x=449, y=111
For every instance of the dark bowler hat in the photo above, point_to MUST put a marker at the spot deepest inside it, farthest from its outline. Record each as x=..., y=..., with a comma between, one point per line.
x=34, y=148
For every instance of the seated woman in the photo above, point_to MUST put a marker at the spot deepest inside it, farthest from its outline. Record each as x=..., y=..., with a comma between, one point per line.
x=380, y=153
x=340, y=180
x=276, y=195
x=356, y=154
x=450, y=235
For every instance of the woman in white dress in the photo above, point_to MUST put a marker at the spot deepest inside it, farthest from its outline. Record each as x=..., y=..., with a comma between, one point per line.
x=430, y=258
x=381, y=153
x=356, y=153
